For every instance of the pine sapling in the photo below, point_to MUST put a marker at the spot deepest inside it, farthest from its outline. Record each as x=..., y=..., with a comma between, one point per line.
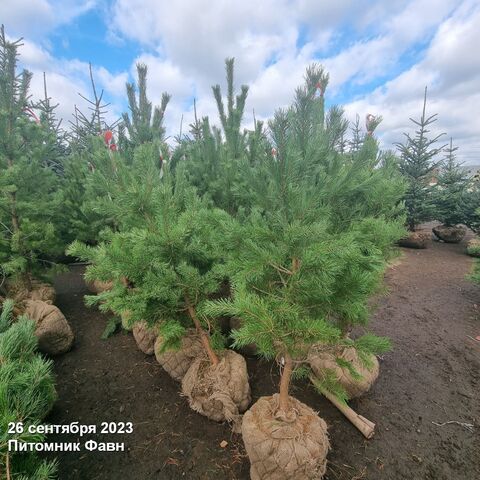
x=162, y=272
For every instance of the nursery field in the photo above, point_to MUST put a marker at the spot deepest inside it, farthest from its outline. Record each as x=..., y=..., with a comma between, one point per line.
x=232, y=299
x=431, y=313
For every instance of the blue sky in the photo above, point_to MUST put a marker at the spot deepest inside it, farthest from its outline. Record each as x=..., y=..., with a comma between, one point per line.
x=380, y=55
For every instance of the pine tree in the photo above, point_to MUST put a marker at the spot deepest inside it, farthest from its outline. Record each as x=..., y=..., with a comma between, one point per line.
x=307, y=259
x=27, y=394
x=28, y=202
x=216, y=159
x=272, y=270
x=144, y=123
x=315, y=167
x=451, y=195
x=231, y=118
x=418, y=164
x=171, y=261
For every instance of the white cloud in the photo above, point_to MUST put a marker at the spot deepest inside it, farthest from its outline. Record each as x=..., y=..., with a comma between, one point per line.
x=452, y=75
x=185, y=43
x=35, y=18
x=67, y=80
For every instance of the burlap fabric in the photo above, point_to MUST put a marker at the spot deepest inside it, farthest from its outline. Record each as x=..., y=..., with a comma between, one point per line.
x=321, y=360
x=39, y=291
x=220, y=392
x=177, y=362
x=97, y=286
x=145, y=337
x=285, y=450
x=52, y=329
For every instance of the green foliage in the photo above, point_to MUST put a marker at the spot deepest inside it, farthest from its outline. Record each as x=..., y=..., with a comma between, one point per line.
x=27, y=394
x=297, y=217
x=29, y=199
x=215, y=163
x=144, y=124
x=311, y=247
x=171, y=260
x=6, y=314
x=475, y=275
x=328, y=382
x=417, y=164
x=452, y=196
x=368, y=345
x=231, y=119
x=111, y=328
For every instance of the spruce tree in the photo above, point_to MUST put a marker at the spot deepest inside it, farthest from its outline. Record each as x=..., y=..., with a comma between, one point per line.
x=451, y=195
x=29, y=201
x=418, y=162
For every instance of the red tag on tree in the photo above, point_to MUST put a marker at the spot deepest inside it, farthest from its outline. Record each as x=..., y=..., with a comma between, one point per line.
x=108, y=135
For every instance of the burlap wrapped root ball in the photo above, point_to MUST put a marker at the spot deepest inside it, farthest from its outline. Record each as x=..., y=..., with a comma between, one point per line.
x=145, y=337
x=98, y=286
x=220, y=392
x=51, y=327
x=39, y=291
x=285, y=450
x=177, y=362
x=320, y=360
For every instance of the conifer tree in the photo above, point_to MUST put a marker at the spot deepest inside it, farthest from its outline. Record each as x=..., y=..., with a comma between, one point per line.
x=418, y=162
x=348, y=186
x=451, y=195
x=144, y=123
x=321, y=226
x=215, y=163
x=170, y=259
x=28, y=202
x=93, y=123
x=471, y=216
x=231, y=117
x=107, y=174
x=27, y=394
x=55, y=138
x=163, y=270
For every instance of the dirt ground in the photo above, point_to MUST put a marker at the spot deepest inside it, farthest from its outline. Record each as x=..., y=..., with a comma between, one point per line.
x=431, y=313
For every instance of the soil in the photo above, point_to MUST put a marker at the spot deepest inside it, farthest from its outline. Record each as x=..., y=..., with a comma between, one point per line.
x=431, y=313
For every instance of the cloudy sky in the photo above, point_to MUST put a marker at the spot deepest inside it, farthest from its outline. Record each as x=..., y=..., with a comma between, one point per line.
x=380, y=55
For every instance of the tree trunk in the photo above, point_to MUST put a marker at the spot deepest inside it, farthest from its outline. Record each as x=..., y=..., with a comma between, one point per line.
x=203, y=336
x=284, y=404
x=295, y=264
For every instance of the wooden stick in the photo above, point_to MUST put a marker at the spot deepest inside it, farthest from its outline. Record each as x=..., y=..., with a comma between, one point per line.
x=366, y=427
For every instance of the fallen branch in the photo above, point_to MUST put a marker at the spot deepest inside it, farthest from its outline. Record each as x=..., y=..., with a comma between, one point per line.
x=468, y=426
x=366, y=427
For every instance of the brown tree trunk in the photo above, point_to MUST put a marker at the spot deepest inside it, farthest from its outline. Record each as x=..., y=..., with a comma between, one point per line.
x=203, y=336
x=284, y=403
x=295, y=264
